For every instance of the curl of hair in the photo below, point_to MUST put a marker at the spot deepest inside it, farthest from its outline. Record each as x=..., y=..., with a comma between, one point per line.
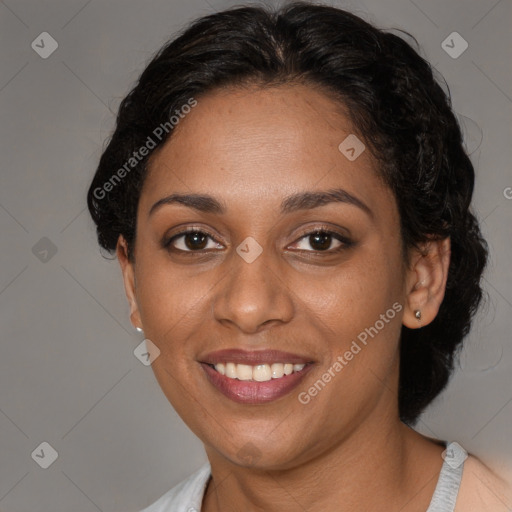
x=396, y=106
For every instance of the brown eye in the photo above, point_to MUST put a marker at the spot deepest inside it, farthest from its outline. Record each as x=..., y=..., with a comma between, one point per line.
x=321, y=241
x=195, y=240
x=191, y=241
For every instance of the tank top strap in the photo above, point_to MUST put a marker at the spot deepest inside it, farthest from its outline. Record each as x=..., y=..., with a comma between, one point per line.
x=448, y=483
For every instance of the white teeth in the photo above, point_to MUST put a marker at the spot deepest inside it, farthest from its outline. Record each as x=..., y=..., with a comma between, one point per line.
x=231, y=370
x=261, y=373
x=277, y=370
x=258, y=373
x=244, y=371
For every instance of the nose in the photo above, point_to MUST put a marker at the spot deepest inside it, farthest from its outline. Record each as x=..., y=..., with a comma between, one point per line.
x=254, y=296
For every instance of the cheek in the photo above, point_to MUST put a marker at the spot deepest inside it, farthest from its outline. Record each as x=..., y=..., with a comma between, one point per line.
x=358, y=319
x=172, y=313
x=352, y=298
x=359, y=310
x=171, y=306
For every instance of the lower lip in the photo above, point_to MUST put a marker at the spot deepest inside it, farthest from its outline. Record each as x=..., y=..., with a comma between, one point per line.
x=252, y=392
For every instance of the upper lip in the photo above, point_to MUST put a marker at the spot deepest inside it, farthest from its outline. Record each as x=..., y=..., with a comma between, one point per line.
x=253, y=358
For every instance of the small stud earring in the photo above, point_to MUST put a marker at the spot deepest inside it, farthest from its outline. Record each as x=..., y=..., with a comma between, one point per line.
x=138, y=329
x=417, y=314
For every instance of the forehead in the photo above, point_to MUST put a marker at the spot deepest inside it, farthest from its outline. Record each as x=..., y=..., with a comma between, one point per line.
x=261, y=142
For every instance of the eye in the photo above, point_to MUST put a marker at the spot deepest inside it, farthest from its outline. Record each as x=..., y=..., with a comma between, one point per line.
x=197, y=240
x=321, y=240
x=191, y=240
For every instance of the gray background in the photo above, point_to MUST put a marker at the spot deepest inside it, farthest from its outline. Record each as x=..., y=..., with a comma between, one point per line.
x=68, y=375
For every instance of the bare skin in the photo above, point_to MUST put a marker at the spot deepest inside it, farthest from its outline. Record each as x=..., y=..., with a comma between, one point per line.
x=346, y=449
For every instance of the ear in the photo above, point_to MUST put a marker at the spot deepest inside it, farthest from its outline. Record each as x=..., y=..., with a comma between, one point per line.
x=426, y=282
x=127, y=268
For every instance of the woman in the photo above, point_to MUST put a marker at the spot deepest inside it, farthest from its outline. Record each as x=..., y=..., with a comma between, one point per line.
x=288, y=197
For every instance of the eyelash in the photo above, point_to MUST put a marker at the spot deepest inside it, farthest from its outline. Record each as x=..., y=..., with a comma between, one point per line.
x=345, y=242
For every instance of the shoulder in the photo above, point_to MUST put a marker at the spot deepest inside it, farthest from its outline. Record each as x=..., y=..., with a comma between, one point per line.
x=482, y=490
x=187, y=495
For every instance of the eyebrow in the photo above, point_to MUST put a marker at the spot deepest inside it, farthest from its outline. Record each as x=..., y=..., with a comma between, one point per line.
x=299, y=201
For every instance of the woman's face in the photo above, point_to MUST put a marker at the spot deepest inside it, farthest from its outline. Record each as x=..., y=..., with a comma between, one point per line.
x=255, y=280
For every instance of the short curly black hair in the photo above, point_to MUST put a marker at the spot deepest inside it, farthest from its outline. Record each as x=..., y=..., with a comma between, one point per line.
x=396, y=105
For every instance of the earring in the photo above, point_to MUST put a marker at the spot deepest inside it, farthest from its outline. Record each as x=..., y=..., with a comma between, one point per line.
x=417, y=314
x=138, y=329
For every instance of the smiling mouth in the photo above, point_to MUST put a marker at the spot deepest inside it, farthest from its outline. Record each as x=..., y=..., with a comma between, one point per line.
x=257, y=376
x=251, y=385
x=257, y=373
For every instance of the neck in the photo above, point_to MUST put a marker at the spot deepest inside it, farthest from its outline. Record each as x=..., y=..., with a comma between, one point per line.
x=382, y=462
